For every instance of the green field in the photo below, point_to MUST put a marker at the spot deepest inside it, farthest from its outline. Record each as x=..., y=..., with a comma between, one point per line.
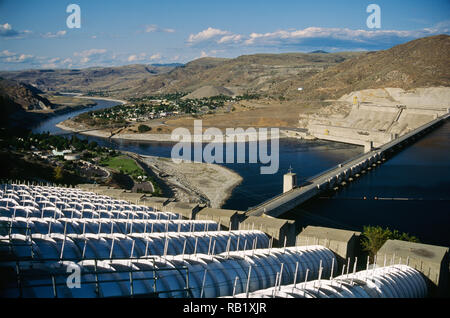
x=123, y=164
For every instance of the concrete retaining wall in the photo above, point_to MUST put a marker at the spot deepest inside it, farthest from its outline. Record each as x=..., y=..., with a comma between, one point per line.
x=432, y=261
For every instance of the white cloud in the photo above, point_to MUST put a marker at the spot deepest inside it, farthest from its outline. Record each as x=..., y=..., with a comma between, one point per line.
x=143, y=57
x=50, y=35
x=331, y=36
x=313, y=37
x=96, y=56
x=133, y=58
x=54, y=60
x=234, y=38
x=7, y=56
x=5, y=27
x=205, y=35
x=19, y=58
x=156, y=56
x=6, y=30
x=91, y=52
x=154, y=28
x=49, y=66
x=6, y=53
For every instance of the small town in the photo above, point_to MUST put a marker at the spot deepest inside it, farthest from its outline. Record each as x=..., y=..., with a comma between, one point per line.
x=72, y=160
x=159, y=107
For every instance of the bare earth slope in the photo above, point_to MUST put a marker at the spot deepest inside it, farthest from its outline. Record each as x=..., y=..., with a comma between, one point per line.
x=209, y=91
x=108, y=80
x=196, y=182
x=256, y=73
x=420, y=63
x=25, y=96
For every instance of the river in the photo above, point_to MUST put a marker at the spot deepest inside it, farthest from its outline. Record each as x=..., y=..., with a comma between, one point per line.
x=420, y=173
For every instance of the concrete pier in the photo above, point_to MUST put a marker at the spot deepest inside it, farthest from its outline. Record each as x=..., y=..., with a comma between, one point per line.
x=431, y=260
x=339, y=174
x=344, y=244
x=289, y=181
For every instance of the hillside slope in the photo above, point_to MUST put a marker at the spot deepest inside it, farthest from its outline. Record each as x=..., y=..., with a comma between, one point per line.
x=95, y=79
x=18, y=101
x=420, y=63
x=23, y=96
x=209, y=91
x=256, y=73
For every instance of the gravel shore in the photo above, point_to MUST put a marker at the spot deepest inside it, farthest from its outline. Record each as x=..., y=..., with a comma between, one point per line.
x=195, y=182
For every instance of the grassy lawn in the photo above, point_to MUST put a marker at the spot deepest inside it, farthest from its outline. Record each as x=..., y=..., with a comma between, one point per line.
x=128, y=166
x=124, y=164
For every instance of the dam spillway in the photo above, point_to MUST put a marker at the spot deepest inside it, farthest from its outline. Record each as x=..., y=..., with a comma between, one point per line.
x=335, y=176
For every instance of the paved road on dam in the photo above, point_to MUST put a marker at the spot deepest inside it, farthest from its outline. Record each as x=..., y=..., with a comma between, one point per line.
x=328, y=179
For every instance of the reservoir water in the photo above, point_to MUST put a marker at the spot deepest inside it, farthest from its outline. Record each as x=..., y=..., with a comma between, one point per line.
x=417, y=178
x=420, y=173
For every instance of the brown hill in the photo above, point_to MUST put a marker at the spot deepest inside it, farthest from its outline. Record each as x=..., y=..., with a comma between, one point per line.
x=23, y=96
x=420, y=63
x=209, y=91
x=258, y=73
x=255, y=73
x=18, y=100
x=94, y=79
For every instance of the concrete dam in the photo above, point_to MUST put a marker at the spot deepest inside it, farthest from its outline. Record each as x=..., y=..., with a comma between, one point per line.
x=294, y=196
x=123, y=249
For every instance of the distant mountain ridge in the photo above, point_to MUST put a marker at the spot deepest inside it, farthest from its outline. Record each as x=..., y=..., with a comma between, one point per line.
x=168, y=65
x=89, y=79
x=319, y=51
x=419, y=63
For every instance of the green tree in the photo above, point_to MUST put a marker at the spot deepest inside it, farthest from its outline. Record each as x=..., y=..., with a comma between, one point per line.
x=93, y=145
x=58, y=173
x=143, y=128
x=373, y=238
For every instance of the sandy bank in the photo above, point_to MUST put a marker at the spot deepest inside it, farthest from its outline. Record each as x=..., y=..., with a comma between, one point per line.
x=69, y=125
x=104, y=98
x=79, y=95
x=82, y=130
x=195, y=182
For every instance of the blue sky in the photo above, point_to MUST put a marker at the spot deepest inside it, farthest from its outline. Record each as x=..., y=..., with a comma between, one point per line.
x=34, y=34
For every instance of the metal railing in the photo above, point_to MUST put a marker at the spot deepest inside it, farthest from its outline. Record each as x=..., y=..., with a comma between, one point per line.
x=96, y=276
x=20, y=264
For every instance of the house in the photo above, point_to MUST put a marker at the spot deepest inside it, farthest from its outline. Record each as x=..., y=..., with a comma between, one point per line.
x=72, y=157
x=60, y=153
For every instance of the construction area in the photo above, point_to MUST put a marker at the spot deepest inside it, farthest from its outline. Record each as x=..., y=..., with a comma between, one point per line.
x=377, y=116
